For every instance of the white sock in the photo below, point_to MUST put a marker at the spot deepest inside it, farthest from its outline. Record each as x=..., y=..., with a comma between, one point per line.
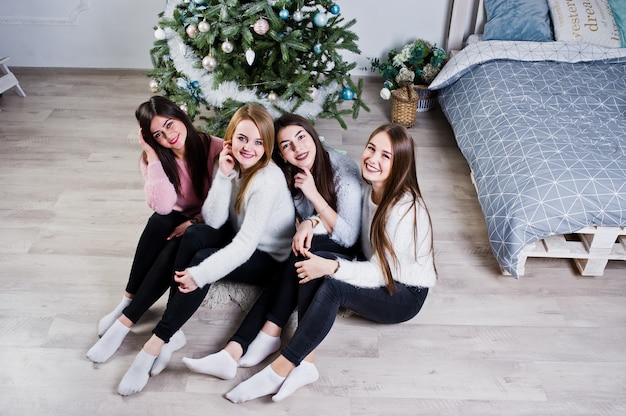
x=220, y=365
x=109, y=343
x=262, y=347
x=177, y=341
x=137, y=375
x=262, y=383
x=305, y=373
x=108, y=320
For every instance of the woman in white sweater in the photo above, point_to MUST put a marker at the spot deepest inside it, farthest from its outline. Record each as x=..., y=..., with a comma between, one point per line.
x=249, y=222
x=326, y=189
x=388, y=286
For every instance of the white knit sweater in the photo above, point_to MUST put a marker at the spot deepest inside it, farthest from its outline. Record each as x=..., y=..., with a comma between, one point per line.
x=415, y=261
x=266, y=221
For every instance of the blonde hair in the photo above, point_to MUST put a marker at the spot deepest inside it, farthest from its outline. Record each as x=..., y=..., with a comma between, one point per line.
x=263, y=121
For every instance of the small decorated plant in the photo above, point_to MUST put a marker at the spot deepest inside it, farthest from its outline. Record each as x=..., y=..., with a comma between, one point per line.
x=418, y=62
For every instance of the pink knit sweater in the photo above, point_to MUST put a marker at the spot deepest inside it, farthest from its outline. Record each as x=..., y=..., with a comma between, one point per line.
x=160, y=193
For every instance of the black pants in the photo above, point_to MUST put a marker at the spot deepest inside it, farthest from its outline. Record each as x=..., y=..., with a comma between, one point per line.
x=199, y=242
x=278, y=301
x=151, y=270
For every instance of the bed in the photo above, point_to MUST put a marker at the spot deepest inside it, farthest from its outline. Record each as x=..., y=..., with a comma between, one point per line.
x=541, y=119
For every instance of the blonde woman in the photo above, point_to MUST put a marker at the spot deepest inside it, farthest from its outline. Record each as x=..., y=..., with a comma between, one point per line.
x=326, y=190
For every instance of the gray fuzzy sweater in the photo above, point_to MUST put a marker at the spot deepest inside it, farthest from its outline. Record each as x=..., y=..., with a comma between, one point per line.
x=348, y=181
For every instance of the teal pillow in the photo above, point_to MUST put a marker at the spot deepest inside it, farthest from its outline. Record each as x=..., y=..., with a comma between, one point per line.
x=527, y=20
x=618, y=7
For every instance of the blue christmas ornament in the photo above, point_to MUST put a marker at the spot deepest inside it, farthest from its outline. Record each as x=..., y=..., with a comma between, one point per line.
x=283, y=14
x=347, y=94
x=317, y=48
x=195, y=84
x=335, y=9
x=320, y=19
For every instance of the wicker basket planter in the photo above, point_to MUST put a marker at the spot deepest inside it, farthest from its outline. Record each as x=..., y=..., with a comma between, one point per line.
x=404, y=105
x=426, y=98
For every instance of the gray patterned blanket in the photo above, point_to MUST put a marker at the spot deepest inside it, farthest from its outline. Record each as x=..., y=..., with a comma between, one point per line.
x=543, y=128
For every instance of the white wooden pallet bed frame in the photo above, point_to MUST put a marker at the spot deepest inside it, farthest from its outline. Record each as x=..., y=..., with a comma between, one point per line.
x=591, y=247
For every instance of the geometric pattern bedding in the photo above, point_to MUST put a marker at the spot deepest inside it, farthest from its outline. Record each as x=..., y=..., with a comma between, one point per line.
x=545, y=140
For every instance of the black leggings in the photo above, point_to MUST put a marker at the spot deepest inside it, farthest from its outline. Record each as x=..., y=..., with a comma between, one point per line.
x=151, y=270
x=199, y=242
x=279, y=299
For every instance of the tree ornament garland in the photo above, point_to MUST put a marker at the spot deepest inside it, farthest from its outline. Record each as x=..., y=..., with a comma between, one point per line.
x=217, y=55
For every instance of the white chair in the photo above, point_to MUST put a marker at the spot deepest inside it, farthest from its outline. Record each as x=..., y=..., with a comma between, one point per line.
x=7, y=79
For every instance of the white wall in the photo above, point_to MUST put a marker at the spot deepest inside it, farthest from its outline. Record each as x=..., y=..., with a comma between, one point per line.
x=119, y=33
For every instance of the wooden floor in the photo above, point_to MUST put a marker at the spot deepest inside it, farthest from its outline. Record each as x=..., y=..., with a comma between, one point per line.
x=71, y=209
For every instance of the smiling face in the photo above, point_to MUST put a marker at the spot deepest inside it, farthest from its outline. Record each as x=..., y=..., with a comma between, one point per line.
x=297, y=146
x=170, y=133
x=247, y=144
x=377, y=160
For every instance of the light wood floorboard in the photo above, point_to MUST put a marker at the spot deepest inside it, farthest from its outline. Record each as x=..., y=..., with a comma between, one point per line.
x=71, y=210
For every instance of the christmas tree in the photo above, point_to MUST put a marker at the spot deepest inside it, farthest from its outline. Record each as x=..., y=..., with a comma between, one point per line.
x=284, y=54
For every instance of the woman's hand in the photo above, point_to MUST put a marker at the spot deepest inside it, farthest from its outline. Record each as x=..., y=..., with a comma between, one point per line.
x=301, y=241
x=185, y=281
x=180, y=230
x=226, y=160
x=151, y=155
x=305, y=182
x=315, y=267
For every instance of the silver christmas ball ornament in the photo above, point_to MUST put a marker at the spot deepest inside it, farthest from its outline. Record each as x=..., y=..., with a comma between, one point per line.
x=159, y=34
x=227, y=46
x=204, y=26
x=209, y=63
x=192, y=30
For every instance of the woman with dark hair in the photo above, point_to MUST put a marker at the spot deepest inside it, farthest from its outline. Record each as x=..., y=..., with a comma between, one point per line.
x=177, y=163
x=326, y=190
x=388, y=286
x=249, y=222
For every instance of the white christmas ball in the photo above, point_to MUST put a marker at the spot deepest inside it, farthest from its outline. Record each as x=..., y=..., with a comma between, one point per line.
x=191, y=30
x=227, y=46
x=385, y=94
x=313, y=92
x=154, y=85
x=209, y=63
x=272, y=97
x=183, y=107
x=159, y=34
x=298, y=16
x=204, y=26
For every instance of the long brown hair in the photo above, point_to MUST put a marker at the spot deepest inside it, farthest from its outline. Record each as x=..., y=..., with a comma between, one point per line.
x=322, y=170
x=196, y=145
x=263, y=121
x=402, y=180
